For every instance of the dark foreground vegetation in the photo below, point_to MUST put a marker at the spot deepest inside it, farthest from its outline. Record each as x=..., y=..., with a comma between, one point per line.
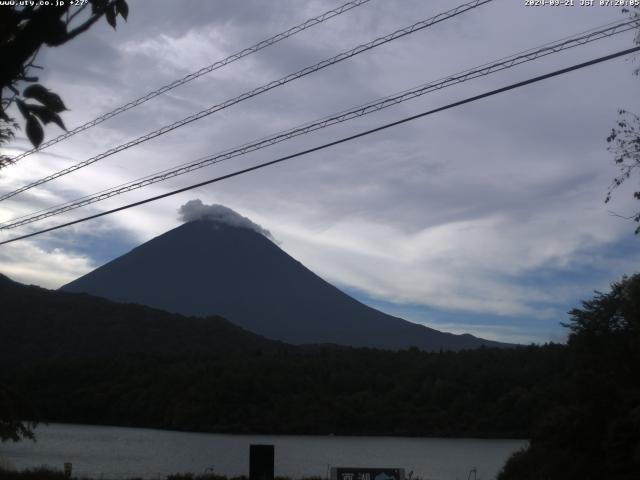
x=484, y=393
x=579, y=404
x=592, y=431
x=48, y=474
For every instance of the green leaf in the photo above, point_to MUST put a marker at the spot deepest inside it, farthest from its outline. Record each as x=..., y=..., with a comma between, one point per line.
x=47, y=116
x=49, y=99
x=34, y=131
x=37, y=92
x=54, y=103
x=54, y=33
x=23, y=108
x=110, y=13
x=122, y=8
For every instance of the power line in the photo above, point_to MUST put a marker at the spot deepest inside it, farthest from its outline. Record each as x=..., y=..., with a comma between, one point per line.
x=371, y=107
x=192, y=76
x=336, y=142
x=257, y=91
x=507, y=62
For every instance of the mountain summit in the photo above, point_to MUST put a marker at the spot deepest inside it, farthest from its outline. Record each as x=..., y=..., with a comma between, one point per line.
x=220, y=263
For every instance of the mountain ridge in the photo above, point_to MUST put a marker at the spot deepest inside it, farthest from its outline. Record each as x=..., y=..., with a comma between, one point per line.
x=205, y=267
x=40, y=324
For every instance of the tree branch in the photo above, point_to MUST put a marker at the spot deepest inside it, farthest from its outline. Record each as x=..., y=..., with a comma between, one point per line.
x=87, y=24
x=614, y=214
x=75, y=14
x=82, y=28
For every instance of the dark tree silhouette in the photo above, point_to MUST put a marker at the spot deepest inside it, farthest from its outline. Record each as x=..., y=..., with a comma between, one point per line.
x=24, y=30
x=11, y=413
x=624, y=141
x=594, y=429
x=608, y=314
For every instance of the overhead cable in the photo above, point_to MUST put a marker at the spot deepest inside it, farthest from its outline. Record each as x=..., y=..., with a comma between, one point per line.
x=192, y=76
x=257, y=91
x=371, y=107
x=331, y=144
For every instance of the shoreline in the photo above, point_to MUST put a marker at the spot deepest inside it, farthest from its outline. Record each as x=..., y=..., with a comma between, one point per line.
x=289, y=434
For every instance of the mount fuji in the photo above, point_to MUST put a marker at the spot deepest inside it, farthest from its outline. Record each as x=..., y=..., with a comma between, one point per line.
x=220, y=263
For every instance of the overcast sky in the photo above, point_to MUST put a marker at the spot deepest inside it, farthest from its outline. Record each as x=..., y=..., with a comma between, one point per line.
x=487, y=218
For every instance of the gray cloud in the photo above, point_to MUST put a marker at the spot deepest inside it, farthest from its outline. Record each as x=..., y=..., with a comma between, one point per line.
x=196, y=210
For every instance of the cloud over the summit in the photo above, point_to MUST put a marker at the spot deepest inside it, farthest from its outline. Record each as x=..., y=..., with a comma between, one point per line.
x=196, y=210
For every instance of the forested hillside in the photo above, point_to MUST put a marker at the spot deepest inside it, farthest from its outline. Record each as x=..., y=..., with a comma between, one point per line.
x=484, y=393
x=39, y=324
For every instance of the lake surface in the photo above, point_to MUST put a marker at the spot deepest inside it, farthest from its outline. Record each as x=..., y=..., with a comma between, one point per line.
x=115, y=452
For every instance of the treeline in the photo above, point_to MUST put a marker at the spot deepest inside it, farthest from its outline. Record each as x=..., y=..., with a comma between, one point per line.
x=480, y=393
x=592, y=429
x=46, y=473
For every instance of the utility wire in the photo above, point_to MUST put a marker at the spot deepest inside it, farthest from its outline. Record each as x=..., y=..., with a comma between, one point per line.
x=257, y=91
x=336, y=142
x=507, y=62
x=371, y=107
x=192, y=76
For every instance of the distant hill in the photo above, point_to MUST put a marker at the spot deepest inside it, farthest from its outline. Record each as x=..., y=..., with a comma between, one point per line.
x=228, y=268
x=39, y=324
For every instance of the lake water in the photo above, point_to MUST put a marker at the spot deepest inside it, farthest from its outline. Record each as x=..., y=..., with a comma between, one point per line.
x=115, y=452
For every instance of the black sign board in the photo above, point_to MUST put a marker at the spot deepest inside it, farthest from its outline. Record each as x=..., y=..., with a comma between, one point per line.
x=261, y=462
x=364, y=473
